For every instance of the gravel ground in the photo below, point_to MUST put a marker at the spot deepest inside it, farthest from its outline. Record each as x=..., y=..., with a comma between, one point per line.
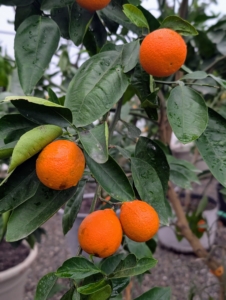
x=181, y=272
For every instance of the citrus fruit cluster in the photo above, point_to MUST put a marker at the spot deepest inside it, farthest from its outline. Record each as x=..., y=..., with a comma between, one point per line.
x=101, y=232
x=93, y=5
x=162, y=52
x=60, y=165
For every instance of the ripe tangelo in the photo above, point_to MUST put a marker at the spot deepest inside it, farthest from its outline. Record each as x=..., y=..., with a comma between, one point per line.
x=201, y=225
x=100, y=233
x=93, y=5
x=60, y=165
x=162, y=52
x=140, y=221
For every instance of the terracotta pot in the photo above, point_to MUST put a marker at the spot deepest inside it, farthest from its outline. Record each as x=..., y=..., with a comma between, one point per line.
x=13, y=280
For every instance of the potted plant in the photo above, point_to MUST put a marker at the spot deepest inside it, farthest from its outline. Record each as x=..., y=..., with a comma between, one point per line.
x=98, y=108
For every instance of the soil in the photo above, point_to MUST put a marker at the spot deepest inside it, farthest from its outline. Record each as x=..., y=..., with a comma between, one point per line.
x=11, y=256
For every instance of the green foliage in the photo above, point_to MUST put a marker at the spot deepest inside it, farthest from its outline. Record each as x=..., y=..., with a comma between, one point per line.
x=104, y=102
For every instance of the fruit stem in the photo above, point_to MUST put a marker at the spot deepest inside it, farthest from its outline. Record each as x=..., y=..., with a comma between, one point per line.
x=96, y=196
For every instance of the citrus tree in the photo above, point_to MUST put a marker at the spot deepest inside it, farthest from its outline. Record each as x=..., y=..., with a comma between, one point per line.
x=128, y=49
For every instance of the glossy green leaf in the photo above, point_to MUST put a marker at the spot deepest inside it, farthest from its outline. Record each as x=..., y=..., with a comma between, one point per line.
x=195, y=75
x=135, y=2
x=32, y=142
x=173, y=160
x=34, y=50
x=62, y=18
x=23, y=12
x=13, y=126
x=190, y=175
x=180, y=25
x=92, y=287
x=180, y=180
x=112, y=178
x=149, y=187
x=95, y=142
x=130, y=266
x=30, y=215
x=52, y=96
x=118, y=285
x=109, y=264
x=156, y=293
x=202, y=205
x=152, y=21
x=150, y=152
x=50, y=4
x=77, y=268
x=80, y=20
x=72, y=207
x=212, y=144
x=135, y=15
x=6, y=150
x=15, y=2
x=102, y=294
x=20, y=186
x=103, y=86
x=41, y=111
x=187, y=113
x=69, y=294
x=140, y=250
x=114, y=12
x=44, y=286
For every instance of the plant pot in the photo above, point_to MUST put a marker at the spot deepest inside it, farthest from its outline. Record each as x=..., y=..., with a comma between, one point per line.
x=168, y=239
x=222, y=205
x=13, y=280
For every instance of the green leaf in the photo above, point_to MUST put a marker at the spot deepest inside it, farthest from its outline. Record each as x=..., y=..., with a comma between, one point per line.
x=20, y=186
x=118, y=285
x=219, y=80
x=80, y=20
x=190, y=175
x=112, y=178
x=62, y=18
x=98, y=31
x=13, y=126
x=102, y=294
x=195, y=75
x=34, y=50
x=134, y=2
x=25, y=11
x=77, y=268
x=180, y=180
x=156, y=293
x=212, y=144
x=150, y=152
x=52, y=96
x=69, y=294
x=187, y=113
x=177, y=24
x=130, y=266
x=92, y=287
x=49, y=4
x=202, y=205
x=140, y=250
x=182, y=162
x=44, y=286
x=104, y=85
x=15, y=2
x=32, y=142
x=109, y=264
x=149, y=187
x=152, y=21
x=72, y=207
x=135, y=15
x=114, y=12
x=30, y=215
x=130, y=55
x=6, y=150
x=95, y=142
x=131, y=130
x=41, y=111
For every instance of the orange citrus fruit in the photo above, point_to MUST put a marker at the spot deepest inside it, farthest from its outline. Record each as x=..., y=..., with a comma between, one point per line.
x=201, y=225
x=93, y=5
x=60, y=165
x=162, y=52
x=218, y=272
x=140, y=221
x=100, y=233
